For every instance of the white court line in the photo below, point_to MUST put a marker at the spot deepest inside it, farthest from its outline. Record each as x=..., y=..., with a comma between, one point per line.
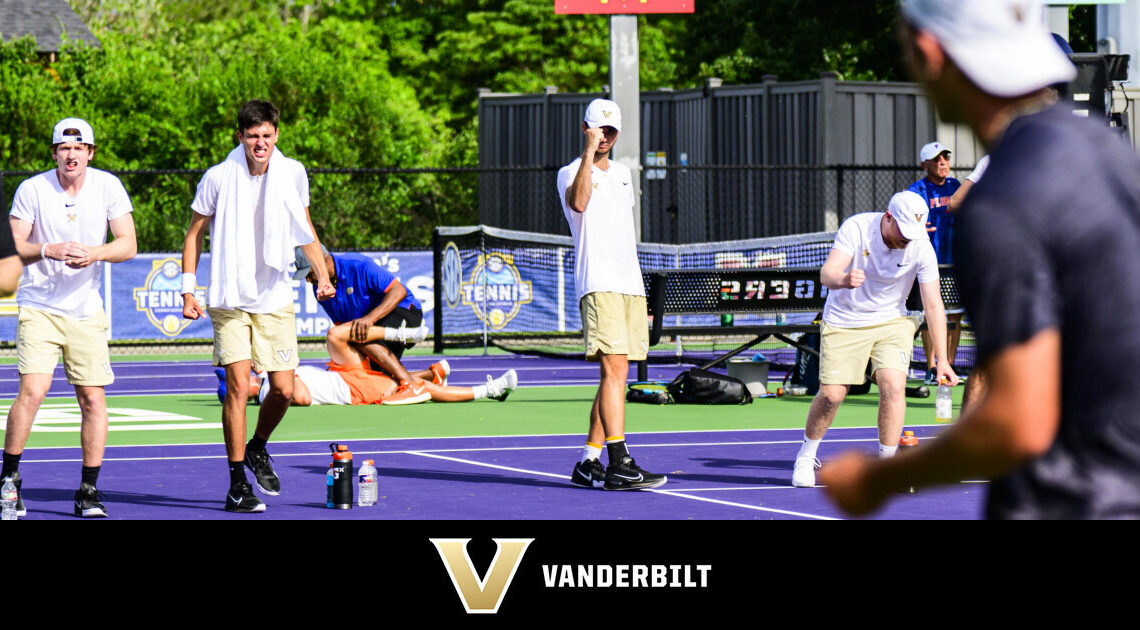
x=672, y=493
x=482, y=437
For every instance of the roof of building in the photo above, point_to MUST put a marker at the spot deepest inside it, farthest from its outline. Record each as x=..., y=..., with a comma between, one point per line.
x=47, y=20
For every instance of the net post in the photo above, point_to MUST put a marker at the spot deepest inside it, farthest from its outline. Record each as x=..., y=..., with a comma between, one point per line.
x=437, y=290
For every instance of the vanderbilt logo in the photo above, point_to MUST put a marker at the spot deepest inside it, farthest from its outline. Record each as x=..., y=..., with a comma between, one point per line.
x=481, y=595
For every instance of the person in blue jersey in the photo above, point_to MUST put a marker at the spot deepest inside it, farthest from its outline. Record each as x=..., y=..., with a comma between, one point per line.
x=1046, y=247
x=368, y=301
x=938, y=188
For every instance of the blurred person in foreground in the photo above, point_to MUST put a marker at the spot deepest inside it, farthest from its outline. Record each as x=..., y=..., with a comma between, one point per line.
x=1047, y=241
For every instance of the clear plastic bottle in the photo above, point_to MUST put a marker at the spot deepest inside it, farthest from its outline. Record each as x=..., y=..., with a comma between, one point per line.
x=944, y=404
x=368, y=490
x=330, y=480
x=8, y=498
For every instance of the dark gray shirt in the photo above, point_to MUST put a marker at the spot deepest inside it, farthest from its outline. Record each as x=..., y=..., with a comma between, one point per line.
x=1050, y=239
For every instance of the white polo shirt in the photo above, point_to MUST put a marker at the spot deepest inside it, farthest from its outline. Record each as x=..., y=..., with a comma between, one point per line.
x=889, y=274
x=605, y=241
x=57, y=217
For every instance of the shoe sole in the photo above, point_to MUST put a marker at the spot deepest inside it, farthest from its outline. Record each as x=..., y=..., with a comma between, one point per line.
x=803, y=485
x=265, y=491
x=637, y=486
x=424, y=397
x=90, y=512
x=256, y=510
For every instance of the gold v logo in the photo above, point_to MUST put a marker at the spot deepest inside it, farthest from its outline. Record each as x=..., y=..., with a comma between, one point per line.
x=485, y=595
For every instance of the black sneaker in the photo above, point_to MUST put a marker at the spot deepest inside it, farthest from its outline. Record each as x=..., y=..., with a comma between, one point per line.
x=626, y=475
x=240, y=498
x=87, y=502
x=267, y=481
x=590, y=474
x=20, y=509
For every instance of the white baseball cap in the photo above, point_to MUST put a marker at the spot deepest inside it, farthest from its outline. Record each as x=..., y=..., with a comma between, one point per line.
x=603, y=113
x=909, y=210
x=86, y=136
x=1002, y=46
x=932, y=150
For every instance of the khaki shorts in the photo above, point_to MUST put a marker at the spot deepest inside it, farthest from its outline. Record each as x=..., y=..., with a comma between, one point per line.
x=613, y=323
x=269, y=339
x=844, y=352
x=42, y=336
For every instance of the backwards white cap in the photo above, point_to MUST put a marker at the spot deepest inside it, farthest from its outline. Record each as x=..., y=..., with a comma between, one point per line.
x=85, y=135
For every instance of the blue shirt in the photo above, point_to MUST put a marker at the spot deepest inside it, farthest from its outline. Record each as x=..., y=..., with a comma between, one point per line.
x=938, y=200
x=360, y=287
x=1048, y=240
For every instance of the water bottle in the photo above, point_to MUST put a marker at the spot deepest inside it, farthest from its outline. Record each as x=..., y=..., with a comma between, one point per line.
x=908, y=441
x=8, y=498
x=330, y=481
x=341, y=477
x=367, y=486
x=944, y=404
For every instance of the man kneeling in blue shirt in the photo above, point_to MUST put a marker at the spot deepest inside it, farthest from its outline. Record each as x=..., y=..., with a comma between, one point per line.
x=369, y=300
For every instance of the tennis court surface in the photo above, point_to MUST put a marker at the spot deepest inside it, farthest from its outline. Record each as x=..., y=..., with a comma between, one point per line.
x=483, y=460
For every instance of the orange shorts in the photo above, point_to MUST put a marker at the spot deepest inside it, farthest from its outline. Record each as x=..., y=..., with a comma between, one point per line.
x=365, y=386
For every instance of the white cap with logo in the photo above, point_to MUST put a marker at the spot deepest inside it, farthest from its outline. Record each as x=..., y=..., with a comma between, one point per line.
x=932, y=150
x=909, y=210
x=603, y=113
x=59, y=135
x=1002, y=46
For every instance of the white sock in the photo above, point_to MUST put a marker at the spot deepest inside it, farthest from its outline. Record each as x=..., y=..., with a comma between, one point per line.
x=887, y=451
x=480, y=391
x=591, y=452
x=809, y=447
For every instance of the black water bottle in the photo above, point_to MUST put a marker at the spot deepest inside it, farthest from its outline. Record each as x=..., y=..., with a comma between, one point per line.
x=342, y=477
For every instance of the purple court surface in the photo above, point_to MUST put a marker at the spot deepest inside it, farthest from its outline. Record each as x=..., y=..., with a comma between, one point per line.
x=713, y=475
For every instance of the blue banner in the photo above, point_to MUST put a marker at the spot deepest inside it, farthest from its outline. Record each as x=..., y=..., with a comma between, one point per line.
x=143, y=299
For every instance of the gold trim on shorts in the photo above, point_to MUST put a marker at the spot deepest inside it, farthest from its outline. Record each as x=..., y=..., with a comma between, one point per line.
x=42, y=337
x=615, y=323
x=268, y=339
x=844, y=352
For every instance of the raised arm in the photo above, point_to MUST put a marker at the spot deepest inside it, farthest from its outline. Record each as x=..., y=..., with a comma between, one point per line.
x=580, y=190
x=834, y=274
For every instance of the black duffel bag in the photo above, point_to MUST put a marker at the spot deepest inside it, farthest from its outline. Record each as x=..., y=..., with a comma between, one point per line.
x=703, y=387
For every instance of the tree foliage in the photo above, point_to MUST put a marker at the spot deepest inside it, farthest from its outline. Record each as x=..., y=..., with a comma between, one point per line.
x=378, y=84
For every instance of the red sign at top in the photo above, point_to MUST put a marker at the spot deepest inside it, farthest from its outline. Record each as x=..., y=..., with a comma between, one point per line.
x=623, y=6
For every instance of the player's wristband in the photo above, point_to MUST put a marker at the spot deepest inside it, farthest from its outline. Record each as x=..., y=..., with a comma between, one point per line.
x=43, y=252
x=189, y=283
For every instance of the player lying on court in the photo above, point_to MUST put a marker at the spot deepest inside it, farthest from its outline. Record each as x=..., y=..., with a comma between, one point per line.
x=348, y=381
x=356, y=385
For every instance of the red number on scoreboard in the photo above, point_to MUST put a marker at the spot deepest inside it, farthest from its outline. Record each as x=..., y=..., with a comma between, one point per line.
x=623, y=6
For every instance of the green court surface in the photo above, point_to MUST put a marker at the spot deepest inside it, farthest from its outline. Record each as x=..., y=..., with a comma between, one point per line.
x=196, y=419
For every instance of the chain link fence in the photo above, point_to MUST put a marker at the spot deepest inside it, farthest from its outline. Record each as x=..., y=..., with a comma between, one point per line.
x=396, y=208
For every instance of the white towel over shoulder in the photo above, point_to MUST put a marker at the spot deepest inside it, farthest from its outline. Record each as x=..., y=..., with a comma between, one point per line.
x=285, y=225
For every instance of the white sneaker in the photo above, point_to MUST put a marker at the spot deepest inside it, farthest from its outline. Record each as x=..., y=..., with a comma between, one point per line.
x=499, y=388
x=803, y=473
